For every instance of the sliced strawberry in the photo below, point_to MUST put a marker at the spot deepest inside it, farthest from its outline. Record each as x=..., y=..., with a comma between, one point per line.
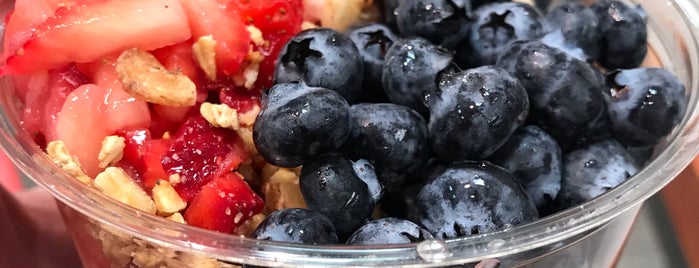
x=144, y=154
x=209, y=17
x=86, y=32
x=200, y=152
x=179, y=57
x=92, y=112
x=279, y=20
x=240, y=99
x=36, y=89
x=223, y=204
x=24, y=18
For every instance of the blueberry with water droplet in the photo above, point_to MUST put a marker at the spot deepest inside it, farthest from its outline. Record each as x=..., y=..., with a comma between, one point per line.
x=387, y=231
x=472, y=198
x=296, y=225
x=565, y=93
x=331, y=187
x=443, y=22
x=534, y=160
x=410, y=70
x=644, y=104
x=297, y=123
x=473, y=112
x=392, y=137
x=593, y=170
x=623, y=34
x=321, y=57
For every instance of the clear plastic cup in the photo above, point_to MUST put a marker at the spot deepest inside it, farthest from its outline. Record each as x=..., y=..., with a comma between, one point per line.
x=110, y=234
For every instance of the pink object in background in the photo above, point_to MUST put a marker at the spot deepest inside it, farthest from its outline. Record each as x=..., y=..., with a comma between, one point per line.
x=9, y=177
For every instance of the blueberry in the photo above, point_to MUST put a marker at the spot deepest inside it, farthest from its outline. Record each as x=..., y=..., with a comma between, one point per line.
x=644, y=104
x=298, y=122
x=443, y=22
x=389, y=11
x=495, y=27
x=389, y=230
x=556, y=39
x=321, y=57
x=534, y=160
x=392, y=137
x=296, y=225
x=410, y=70
x=373, y=41
x=330, y=186
x=591, y=171
x=472, y=198
x=623, y=34
x=367, y=173
x=564, y=93
x=473, y=112
x=579, y=26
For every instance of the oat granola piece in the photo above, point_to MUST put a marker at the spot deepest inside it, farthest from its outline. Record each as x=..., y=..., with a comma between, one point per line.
x=60, y=156
x=112, y=150
x=249, y=70
x=308, y=25
x=220, y=115
x=177, y=217
x=205, y=54
x=144, y=77
x=340, y=14
x=248, y=118
x=115, y=183
x=256, y=35
x=174, y=179
x=249, y=226
x=167, y=200
x=282, y=190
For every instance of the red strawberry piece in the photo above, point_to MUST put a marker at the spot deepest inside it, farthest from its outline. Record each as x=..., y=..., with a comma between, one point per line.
x=144, y=154
x=200, y=152
x=87, y=31
x=209, y=17
x=223, y=204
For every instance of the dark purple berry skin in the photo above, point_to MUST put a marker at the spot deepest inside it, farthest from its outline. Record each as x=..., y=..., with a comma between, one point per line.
x=534, y=159
x=331, y=187
x=443, y=22
x=322, y=57
x=593, y=170
x=373, y=41
x=564, y=92
x=297, y=123
x=473, y=198
x=410, y=70
x=392, y=137
x=623, y=34
x=497, y=25
x=296, y=225
x=644, y=104
x=578, y=25
x=389, y=231
x=473, y=112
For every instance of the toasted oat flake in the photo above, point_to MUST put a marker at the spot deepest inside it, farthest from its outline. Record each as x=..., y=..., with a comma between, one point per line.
x=112, y=150
x=176, y=217
x=166, y=199
x=115, y=183
x=60, y=156
x=248, y=118
x=256, y=35
x=249, y=226
x=340, y=14
x=144, y=77
x=174, y=179
x=281, y=190
x=204, y=51
x=249, y=70
x=220, y=115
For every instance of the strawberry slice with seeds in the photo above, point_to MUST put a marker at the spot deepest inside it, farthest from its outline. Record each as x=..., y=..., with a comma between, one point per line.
x=145, y=154
x=85, y=32
x=210, y=17
x=200, y=152
x=223, y=204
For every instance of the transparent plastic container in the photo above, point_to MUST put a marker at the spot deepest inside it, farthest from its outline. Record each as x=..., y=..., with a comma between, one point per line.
x=110, y=234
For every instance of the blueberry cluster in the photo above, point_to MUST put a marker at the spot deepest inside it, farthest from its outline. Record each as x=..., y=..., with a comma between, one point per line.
x=460, y=117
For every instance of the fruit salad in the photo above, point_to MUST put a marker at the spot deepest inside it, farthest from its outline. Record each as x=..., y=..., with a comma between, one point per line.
x=342, y=121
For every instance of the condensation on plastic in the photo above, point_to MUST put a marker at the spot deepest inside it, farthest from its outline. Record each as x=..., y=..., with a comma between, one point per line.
x=588, y=235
